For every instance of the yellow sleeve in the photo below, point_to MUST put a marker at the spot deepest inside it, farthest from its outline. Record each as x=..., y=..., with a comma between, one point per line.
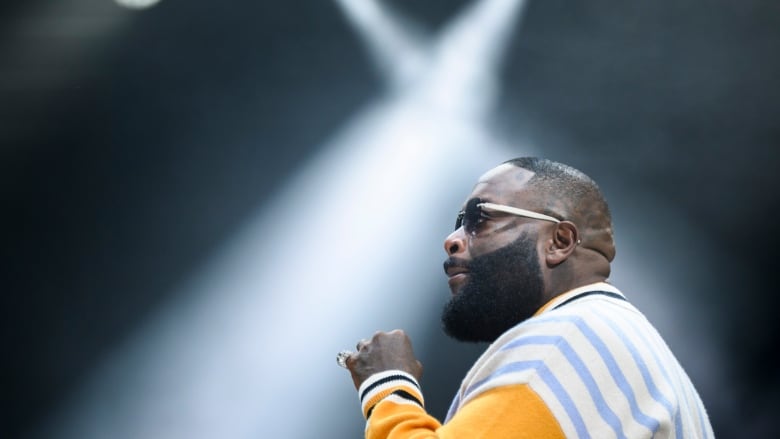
x=514, y=411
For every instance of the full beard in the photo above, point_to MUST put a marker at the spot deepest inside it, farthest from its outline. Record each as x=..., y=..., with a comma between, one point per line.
x=504, y=288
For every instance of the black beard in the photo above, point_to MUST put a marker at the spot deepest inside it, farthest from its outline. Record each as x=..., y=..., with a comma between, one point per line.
x=504, y=288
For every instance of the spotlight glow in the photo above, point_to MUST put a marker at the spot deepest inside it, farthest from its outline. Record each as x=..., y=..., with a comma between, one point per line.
x=250, y=342
x=137, y=4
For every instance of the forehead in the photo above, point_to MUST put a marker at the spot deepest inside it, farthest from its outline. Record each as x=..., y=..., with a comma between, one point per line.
x=505, y=183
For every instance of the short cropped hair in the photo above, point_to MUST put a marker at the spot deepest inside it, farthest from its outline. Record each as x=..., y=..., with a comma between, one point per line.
x=568, y=191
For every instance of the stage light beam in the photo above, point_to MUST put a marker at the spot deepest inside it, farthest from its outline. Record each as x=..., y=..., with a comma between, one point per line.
x=250, y=341
x=137, y=4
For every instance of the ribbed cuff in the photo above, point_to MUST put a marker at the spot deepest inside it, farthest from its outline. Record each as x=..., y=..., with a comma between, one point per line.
x=390, y=382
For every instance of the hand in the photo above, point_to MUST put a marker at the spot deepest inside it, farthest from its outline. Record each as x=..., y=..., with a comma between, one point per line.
x=385, y=351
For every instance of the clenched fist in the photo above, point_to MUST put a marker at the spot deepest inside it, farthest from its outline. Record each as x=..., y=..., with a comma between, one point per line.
x=384, y=351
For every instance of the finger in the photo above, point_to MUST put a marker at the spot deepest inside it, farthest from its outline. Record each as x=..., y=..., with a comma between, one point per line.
x=343, y=357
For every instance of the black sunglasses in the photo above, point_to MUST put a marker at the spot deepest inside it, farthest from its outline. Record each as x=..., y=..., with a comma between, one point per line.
x=472, y=215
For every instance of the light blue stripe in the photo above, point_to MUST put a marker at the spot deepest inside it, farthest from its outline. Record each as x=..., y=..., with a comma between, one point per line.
x=694, y=400
x=652, y=388
x=683, y=387
x=679, y=384
x=617, y=375
x=661, y=364
x=582, y=371
x=548, y=377
x=453, y=407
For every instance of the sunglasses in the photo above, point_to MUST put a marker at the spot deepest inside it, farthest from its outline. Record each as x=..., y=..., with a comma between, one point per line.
x=470, y=217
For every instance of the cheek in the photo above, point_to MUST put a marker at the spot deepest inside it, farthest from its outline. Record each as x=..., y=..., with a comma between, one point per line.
x=489, y=241
x=482, y=245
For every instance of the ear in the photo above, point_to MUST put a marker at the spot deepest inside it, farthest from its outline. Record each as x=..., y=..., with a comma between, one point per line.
x=564, y=241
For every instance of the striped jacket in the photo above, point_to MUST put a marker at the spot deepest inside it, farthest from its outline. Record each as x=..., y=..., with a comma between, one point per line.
x=588, y=365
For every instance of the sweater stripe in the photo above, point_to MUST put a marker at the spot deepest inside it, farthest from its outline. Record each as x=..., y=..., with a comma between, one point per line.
x=453, y=407
x=612, y=365
x=387, y=379
x=392, y=382
x=406, y=395
x=679, y=383
x=552, y=382
x=604, y=410
x=403, y=395
x=597, y=364
x=655, y=393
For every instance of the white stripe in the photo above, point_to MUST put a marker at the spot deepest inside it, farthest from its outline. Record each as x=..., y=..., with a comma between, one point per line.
x=594, y=387
x=555, y=406
x=398, y=382
x=566, y=374
x=686, y=395
x=595, y=360
x=661, y=387
x=646, y=409
x=401, y=400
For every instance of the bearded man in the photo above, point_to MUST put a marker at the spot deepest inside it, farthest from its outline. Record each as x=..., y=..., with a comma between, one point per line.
x=569, y=356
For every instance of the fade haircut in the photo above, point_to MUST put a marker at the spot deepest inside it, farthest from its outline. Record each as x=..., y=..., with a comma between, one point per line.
x=568, y=193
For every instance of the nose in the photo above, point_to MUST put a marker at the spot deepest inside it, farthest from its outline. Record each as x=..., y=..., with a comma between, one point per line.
x=456, y=242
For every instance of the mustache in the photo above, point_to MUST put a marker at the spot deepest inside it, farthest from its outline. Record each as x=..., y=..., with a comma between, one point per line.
x=455, y=263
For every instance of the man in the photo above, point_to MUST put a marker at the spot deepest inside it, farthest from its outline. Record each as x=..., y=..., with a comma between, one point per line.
x=569, y=356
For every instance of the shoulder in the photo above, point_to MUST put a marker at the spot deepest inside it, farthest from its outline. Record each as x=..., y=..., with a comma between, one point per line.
x=554, y=348
x=518, y=356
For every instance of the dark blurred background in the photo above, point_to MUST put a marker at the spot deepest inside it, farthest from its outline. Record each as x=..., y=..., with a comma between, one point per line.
x=134, y=142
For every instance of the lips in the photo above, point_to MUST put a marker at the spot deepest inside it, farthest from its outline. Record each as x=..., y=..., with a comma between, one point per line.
x=455, y=269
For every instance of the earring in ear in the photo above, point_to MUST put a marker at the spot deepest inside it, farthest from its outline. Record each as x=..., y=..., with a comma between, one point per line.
x=579, y=241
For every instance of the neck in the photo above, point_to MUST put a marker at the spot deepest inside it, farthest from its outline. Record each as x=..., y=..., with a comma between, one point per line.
x=575, y=272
